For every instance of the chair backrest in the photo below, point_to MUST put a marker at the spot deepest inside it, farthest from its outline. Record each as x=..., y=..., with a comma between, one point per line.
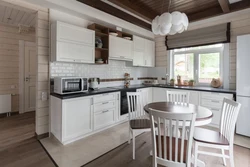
x=135, y=106
x=177, y=96
x=169, y=150
x=230, y=110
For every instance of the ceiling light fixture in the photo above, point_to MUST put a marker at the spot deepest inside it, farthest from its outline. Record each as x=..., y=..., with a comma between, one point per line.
x=170, y=23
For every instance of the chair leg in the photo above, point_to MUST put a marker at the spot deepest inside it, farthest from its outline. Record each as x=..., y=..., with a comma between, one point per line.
x=231, y=154
x=133, y=134
x=224, y=159
x=129, y=135
x=195, y=154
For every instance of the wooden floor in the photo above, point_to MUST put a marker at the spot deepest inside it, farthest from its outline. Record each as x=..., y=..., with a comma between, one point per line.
x=16, y=128
x=18, y=145
x=122, y=156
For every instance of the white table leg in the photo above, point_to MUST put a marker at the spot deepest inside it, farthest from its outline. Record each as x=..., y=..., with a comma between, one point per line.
x=199, y=162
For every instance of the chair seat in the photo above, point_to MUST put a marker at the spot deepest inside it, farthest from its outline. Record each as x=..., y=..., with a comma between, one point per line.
x=140, y=124
x=173, y=148
x=209, y=136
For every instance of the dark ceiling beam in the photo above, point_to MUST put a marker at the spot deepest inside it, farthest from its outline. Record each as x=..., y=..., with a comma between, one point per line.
x=224, y=4
x=116, y=12
x=141, y=11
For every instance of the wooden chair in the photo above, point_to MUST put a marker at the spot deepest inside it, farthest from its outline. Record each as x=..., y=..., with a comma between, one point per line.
x=138, y=119
x=178, y=96
x=169, y=150
x=223, y=139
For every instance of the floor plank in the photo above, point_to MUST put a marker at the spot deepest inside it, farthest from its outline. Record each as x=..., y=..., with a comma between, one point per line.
x=16, y=128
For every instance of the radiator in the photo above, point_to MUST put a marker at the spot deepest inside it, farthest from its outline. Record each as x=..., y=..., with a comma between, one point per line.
x=5, y=103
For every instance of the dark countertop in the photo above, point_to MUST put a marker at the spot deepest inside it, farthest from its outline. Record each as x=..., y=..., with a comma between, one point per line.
x=121, y=88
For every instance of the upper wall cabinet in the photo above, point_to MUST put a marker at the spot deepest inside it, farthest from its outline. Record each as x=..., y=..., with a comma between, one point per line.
x=120, y=49
x=72, y=43
x=143, y=52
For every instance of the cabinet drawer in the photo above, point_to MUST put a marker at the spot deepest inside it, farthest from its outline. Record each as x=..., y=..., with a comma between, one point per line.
x=217, y=104
x=103, y=118
x=104, y=97
x=215, y=96
x=104, y=105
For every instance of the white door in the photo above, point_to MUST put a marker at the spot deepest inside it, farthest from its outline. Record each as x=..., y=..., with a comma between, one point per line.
x=30, y=65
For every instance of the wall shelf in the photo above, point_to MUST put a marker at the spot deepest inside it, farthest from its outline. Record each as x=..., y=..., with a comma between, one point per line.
x=102, y=32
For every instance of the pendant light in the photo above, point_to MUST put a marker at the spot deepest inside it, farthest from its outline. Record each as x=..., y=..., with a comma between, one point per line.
x=170, y=23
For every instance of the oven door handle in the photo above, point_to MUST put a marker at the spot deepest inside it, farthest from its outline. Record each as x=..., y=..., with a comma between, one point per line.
x=82, y=84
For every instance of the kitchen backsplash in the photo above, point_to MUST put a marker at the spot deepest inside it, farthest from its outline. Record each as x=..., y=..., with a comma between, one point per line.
x=114, y=70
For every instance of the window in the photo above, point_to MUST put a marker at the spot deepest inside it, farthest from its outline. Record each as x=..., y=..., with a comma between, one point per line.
x=198, y=63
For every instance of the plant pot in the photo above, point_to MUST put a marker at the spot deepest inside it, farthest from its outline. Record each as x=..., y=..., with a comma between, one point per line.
x=191, y=83
x=172, y=83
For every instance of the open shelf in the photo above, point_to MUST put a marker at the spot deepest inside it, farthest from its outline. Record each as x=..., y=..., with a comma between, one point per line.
x=102, y=32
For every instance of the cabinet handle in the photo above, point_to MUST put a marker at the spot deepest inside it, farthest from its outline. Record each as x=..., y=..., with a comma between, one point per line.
x=105, y=111
x=105, y=94
x=215, y=109
x=121, y=56
x=105, y=102
x=215, y=101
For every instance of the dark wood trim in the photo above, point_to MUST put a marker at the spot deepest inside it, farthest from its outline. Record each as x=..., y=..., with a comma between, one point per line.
x=137, y=10
x=116, y=12
x=42, y=136
x=224, y=4
x=147, y=78
x=48, y=154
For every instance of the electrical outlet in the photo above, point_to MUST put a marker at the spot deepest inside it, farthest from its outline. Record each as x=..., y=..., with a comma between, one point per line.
x=13, y=86
x=44, y=96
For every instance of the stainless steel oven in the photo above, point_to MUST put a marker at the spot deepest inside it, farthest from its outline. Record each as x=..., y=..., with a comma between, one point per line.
x=66, y=85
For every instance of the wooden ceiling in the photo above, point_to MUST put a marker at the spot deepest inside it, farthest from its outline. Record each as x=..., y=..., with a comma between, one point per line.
x=149, y=9
x=14, y=15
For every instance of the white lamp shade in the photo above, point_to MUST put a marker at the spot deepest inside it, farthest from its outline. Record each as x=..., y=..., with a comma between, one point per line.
x=172, y=32
x=177, y=28
x=165, y=19
x=180, y=31
x=176, y=18
x=156, y=31
x=164, y=30
x=185, y=20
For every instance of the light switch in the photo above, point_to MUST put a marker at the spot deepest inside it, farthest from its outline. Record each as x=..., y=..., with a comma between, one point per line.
x=44, y=96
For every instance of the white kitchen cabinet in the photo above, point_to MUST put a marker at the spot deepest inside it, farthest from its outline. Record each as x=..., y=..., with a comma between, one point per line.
x=149, y=53
x=159, y=94
x=214, y=101
x=144, y=52
x=75, y=118
x=120, y=49
x=71, y=118
x=147, y=94
x=106, y=109
x=71, y=43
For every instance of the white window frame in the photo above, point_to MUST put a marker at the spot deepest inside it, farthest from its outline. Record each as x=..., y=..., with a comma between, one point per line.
x=196, y=53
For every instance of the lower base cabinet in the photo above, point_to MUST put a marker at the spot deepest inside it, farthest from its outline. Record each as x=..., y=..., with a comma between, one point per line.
x=73, y=119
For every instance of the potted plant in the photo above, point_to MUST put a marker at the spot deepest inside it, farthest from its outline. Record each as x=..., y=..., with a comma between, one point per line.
x=172, y=82
x=191, y=82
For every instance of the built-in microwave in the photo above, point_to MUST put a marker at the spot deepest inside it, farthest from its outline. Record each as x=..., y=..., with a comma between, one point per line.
x=66, y=85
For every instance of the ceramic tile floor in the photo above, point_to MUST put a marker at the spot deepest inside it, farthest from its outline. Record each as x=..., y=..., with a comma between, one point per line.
x=82, y=151
x=85, y=150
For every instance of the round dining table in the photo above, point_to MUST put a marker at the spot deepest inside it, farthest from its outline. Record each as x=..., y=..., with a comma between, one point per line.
x=203, y=115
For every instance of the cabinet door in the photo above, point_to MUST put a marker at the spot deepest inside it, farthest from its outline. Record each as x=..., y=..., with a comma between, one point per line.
x=139, y=44
x=104, y=118
x=75, y=34
x=76, y=118
x=146, y=95
x=149, y=53
x=159, y=94
x=119, y=48
x=138, y=58
x=70, y=52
